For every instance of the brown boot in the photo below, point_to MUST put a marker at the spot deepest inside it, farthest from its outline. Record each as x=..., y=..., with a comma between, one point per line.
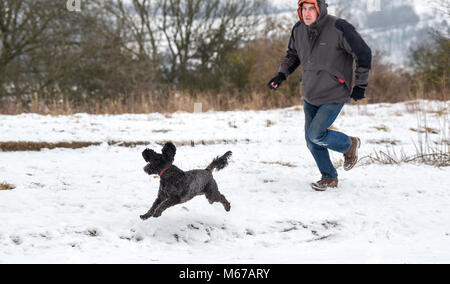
x=351, y=157
x=324, y=184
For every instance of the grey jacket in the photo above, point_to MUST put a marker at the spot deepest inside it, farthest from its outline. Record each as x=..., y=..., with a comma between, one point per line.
x=326, y=50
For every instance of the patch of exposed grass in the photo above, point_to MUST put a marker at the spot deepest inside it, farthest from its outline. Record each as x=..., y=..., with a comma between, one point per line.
x=270, y=123
x=425, y=130
x=37, y=184
x=381, y=128
x=232, y=124
x=13, y=146
x=160, y=130
x=128, y=144
x=284, y=164
x=6, y=186
x=440, y=112
x=92, y=233
x=384, y=141
x=37, y=146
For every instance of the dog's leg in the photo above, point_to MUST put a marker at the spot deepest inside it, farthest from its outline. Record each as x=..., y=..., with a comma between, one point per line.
x=152, y=209
x=164, y=205
x=213, y=195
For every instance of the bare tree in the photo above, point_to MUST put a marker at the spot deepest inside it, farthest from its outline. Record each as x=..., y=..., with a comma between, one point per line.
x=179, y=36
x=116, y=49
x=138, y=20
x=50, y=51
x=23, y=26
x=200, y=32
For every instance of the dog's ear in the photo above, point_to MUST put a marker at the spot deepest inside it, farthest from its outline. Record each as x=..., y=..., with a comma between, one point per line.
x=169, y=151
x=147, y=154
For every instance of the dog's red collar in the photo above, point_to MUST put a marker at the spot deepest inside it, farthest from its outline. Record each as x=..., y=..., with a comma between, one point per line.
x=161, y=173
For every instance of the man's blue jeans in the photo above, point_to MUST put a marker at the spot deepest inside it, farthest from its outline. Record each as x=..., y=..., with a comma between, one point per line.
x=319, y=138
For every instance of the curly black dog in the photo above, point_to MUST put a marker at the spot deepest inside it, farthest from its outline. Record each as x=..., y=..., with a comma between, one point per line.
x=177, y=186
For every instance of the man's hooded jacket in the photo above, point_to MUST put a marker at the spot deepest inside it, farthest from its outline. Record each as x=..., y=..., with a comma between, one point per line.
x=326, y=50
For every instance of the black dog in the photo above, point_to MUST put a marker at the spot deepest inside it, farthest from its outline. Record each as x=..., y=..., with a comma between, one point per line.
x=177, y=186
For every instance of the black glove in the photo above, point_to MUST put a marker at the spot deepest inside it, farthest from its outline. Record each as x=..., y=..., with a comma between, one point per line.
x=358, y=93
x=276, y=81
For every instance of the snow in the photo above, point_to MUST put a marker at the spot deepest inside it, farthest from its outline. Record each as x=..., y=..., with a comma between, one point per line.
x=83, y=206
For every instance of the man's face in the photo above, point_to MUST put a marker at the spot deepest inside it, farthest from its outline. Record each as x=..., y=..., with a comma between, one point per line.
x=309, y=13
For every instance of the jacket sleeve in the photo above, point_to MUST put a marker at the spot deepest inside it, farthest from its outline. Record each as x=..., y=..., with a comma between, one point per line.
x=291, y=60
x=354, y=44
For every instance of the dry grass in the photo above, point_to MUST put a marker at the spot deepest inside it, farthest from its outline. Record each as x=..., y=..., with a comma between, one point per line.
x=6, y=186
x=384, y=141
x=160, y=131
x=270, y=123
x=284, y=164
x=162, y=102
x=437, y=159
x=413, y=106
x=362, y=109
x=13, y=146
x=425, y=130
x=381, y=128
x=37, y=146
x=433, y=152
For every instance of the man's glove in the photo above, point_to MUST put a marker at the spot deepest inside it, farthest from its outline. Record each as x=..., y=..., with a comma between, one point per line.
x=357, y=93
x=276, y=81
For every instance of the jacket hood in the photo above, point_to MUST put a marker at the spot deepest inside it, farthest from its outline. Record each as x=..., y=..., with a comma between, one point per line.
x=321, y=7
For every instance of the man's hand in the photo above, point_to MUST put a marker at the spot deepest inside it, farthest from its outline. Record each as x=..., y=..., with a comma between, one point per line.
x=276, y=81
x=357, y=93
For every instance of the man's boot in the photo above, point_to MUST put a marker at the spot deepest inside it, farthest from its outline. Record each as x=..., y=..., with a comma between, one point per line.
x=324, y=184
x=351, y=157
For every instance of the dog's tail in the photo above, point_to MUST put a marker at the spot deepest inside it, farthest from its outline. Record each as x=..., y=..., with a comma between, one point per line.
x=219, y=162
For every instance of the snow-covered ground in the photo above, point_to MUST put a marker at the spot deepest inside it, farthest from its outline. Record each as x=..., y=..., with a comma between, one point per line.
x=83, y=206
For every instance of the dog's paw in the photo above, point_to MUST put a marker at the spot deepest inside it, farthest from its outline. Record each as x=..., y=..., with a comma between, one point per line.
x=144, y=217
